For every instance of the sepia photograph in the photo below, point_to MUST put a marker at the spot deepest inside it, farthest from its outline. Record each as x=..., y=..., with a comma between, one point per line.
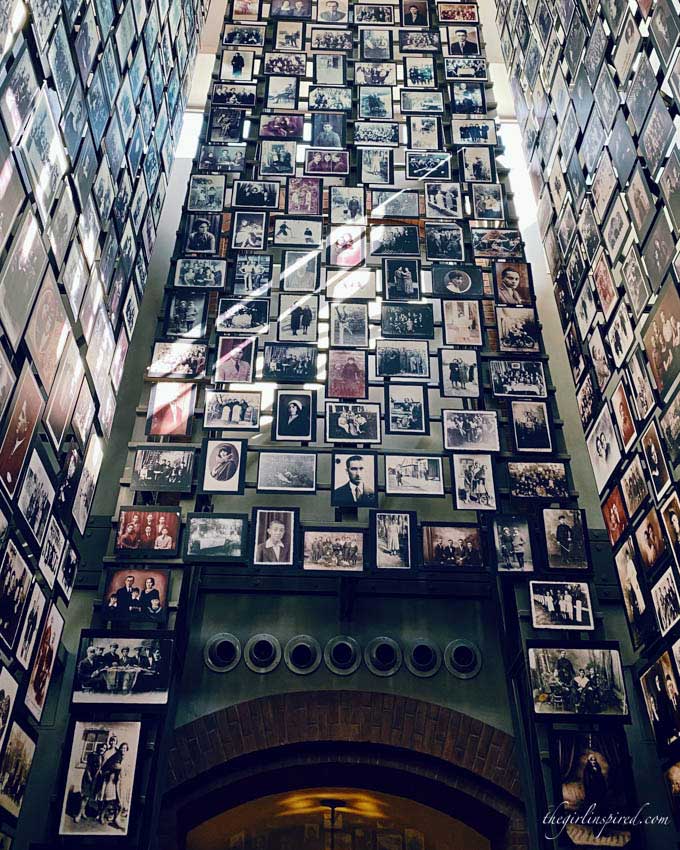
x=451, y=545
x=142, y=530
x=660, y=688
x=15, y=768
x=170, y=411
x=43, y=663
x=666, y=601
x=538, y=480
x=333, y=549
x=655, y=456
x=393, y=539
x=414, y=475
x=235, y=360
x=512, y=539
x=346, y=374
x=462, y=322
x=36, y=497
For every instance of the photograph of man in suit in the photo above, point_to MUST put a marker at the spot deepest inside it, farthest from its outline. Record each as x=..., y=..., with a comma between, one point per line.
x=359, y=489
x=332, y=14
x=463, y=46
x=276, y=548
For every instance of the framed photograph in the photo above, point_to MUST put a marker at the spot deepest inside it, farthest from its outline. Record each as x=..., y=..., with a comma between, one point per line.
x=251, y=275
x=143, y=531
x=346, y=246
x=206, y=193
x=401, y=279
x=518, y=330
x=517, y=379
x=109, y=750
x=418, y=41
x=237, y=65
x=393, y=539
x=370, y=13
x=297, y=232
x=467, y=98
x=650, y=541
x=249, y=230
x=531, y=426
x=331, y=68
x=375, y=43
x=252, y=35
x=355, y=285
x=36, y=497
x=423, y=165
x=395, y=203
x=406, y=409
x=414, y=102
x=376, y=165
x=238, y=316
x=347, y=373
x=462, y=323
x=304, y=196
x=407, y=321
x=414, y=475
x=325, y=98
x=129, y=669
x=381, y=133
x=565, y=534
x=216, y=537
x=300, y=271
x=235, y=360
x=178, y=359
x=287, y=9
x=298, y=317
x=442, y=200
x=289, y=363
x=662, y=355
x=136, y=595
x=444, y=241
x=465, y=68
x=203, y=234
x=658, y=473
x=414, y=13
x=470, y=430
x=43, y=664
x=28, y=637
x=348, y=325
x=419, y=72
x=402, y=359
x=281, y=93
x=538, y=480
x=459, y=373
x=456, y=281
x=275, y=537
x=561, y=605
x=347, y=205
x=512, y=540
x=477, y=164
x=352, y=423
x=226, y=124
x=237, y=410
x=294, y=415
x=282, y=126
x=447, y=545
x=354, y=479
x=222, y=466
x=277, y=158
x=161, y=470
x=17, y=759
x=327, y=39
x=335, y=549
x=473, y=483
x=425, y=132
x=496, y=243
x=255, y=194
x=585, y=681
x=24, y=414
x=171, y=409
x=659, y=686
x=375, y=74
x=289, y=472
x=666, y=601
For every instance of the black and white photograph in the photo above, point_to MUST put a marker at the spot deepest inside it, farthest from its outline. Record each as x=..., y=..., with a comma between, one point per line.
x=470, y=430
x=294, y=415
x=249, y=230
x=354, y=285
x=463, y=41
x=16, y=766
x=487, y=201
x=30, y=628
x=376, y=165
x=347, y=205
x=375, y=102
x=561, y=605
x=443, y=241
x=565, y=537
x=425, y=132
x=282, y=92
x=402, y=359
x=330, y=548
x=123, y=669
x=451, y=546
x=375, y=74
x=286, y=472
x=407, y=321
x=324, y=98
x=473, y=483
x=459, y=373
x=255, y=194
x=300, y=271
x=531, y=426
x=298, y=317
x=240, y=316
x=651, y=541
x=518, y=329
x=348, y=325
x=538, y=480
x=428, y=165
x=394, y=203
x=660, y=689
x=206, y=193
x=352, y=423
x=414, y=475
x=203, y=234
x=100, y=781
x=51, y=551
x=666, y=601
x=654, y=454
x=277, y=158
x=232, y=410
x=661, y=339
x=235, y=360
x=634, y=598
x=477, y=164
x=406, y=409
x=297, y=232
x=216, y=537
x=289, y=363
x=512, y=539
x=443, y=200
x=401, y=279
x=223, y=466
x=354, y=478
x=456, y=281
x=570, y=681
x=274, y=534
x=159, y=470
x=36, y=497
x=200, y=274
x=517, y=379
x=384, y=133
x=393, y=538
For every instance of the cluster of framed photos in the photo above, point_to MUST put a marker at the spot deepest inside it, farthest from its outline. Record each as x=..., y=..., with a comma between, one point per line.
x=91, y=103
x=597, y=90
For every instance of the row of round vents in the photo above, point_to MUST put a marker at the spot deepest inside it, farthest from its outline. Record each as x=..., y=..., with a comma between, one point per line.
x=342, y=655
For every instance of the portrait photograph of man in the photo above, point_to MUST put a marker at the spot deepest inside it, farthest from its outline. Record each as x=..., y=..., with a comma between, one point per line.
x=354, y=478
x=274, y=543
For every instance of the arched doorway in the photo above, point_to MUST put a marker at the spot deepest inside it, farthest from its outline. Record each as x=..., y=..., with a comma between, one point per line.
x=289, y=747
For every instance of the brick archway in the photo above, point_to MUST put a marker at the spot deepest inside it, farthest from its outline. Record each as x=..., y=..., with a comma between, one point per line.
x=217, y=760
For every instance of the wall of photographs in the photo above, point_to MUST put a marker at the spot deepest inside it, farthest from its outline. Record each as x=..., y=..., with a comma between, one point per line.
x=597, y=89
x=349, y=381
x=91, y=103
